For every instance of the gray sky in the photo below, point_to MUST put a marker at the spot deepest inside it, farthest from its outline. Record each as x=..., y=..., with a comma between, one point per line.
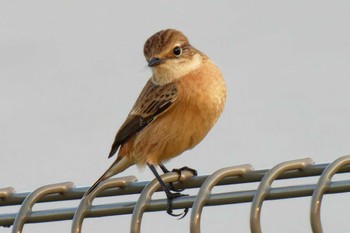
x=71, y=70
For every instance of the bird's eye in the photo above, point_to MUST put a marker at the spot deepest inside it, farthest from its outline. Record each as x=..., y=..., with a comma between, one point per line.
x=177, y=51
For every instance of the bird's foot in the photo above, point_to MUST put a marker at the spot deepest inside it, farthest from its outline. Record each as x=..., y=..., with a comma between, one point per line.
x=179, y=170
x=169, y=210
x=177, y=193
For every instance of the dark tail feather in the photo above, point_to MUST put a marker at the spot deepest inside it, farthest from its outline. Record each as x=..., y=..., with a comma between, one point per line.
x=102, y=178
x=118, y=166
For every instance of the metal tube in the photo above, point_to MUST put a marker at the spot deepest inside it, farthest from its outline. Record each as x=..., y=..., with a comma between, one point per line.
x=32, y=198
x=146, y=196
x=321, y=187
x=6, y=192
x=205, y=191
x=9, y=197
x=265, y=186
x=161, y=204
x=85, y=204
x=194, y=182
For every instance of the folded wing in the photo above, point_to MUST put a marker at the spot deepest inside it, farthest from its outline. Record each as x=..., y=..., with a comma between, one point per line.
x=153, y=101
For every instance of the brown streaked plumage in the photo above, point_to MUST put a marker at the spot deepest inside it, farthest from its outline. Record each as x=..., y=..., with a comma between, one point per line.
x=176, y=109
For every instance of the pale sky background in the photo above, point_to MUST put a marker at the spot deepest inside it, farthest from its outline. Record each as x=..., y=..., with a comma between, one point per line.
x=71, y=70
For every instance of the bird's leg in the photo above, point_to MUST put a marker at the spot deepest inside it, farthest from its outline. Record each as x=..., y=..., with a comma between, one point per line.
x=164, y=169
x=178, y=170
x=171, y=184
x=170, y=195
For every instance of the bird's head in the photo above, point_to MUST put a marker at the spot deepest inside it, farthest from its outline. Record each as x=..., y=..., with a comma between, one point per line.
x=170, y=56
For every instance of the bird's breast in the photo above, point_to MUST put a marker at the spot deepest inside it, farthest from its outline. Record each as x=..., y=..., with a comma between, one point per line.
x=200, y=101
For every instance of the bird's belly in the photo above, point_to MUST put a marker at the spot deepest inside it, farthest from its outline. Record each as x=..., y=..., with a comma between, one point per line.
x=197, y=108
x=179, y=129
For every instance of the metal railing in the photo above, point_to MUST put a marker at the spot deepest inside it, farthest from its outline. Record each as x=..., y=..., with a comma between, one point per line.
x=225, y=176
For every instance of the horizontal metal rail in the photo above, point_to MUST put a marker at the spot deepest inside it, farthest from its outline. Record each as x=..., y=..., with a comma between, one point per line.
x=227, y=176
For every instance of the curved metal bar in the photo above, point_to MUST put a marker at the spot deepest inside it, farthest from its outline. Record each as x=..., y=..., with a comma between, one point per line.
x=5, y=192
x=265, y=186
x=321, y=187
x=147, y=193
x=195, y=182
x=205, y=191
x=85, y=203
x=32, y=198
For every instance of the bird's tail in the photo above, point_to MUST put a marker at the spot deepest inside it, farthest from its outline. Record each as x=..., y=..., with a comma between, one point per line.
x=118, y=166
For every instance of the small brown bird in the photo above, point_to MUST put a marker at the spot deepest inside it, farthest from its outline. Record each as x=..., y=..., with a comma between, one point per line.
x=175, y=110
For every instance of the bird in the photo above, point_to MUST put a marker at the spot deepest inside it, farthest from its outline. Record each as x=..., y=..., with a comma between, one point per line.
x=177, y=107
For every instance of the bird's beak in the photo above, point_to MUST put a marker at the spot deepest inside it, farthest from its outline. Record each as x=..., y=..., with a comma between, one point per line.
x=154, y=62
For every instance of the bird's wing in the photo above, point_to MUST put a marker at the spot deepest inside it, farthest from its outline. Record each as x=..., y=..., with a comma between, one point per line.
x=153, y=101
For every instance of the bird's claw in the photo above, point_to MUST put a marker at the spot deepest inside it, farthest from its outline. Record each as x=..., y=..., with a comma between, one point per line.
x=181, y=216
x=170, y=205
x=172, y=188
x=179, y=170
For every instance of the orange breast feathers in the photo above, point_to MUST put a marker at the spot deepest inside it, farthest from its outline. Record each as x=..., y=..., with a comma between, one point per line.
x=199, y=103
